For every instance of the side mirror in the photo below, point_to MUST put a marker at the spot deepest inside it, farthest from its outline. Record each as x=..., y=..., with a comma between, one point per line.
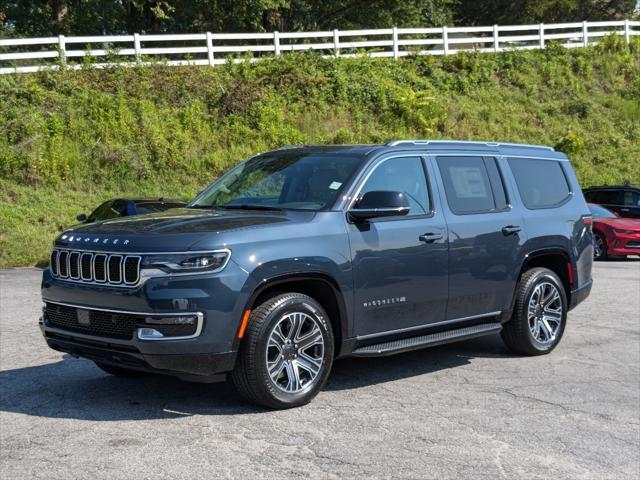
x=377, y=204
x=81, y=218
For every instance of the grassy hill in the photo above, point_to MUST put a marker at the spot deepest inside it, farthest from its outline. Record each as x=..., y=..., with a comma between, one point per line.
x=69, y=140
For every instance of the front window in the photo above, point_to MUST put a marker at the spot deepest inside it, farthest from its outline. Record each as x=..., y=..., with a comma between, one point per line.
x=288, y=180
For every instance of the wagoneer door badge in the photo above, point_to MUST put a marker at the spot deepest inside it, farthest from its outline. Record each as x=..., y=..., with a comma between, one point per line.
x=103, y=241
x=383, y=302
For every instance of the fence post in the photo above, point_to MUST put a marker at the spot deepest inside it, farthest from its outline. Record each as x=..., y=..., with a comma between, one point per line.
x=336, y=42
x=276, y=42
x=585, y=37
x=62, y=49
x=496, y=39
x=541, y=34
x=136, y=46
x=445, y=40
x=396, y=50
x=627, y=30
x=210, y=49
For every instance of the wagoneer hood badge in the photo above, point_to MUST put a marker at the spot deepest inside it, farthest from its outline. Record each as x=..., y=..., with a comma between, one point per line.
x=78, y=239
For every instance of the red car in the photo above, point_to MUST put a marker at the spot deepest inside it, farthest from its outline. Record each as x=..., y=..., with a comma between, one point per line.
x=613, y=236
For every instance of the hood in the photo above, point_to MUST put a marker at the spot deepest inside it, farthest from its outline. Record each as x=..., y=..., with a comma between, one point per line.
x=171, y=230
x=621, y=223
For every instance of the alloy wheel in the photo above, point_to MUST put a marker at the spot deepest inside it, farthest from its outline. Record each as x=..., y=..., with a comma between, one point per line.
x=545, y=313
x=295, y=352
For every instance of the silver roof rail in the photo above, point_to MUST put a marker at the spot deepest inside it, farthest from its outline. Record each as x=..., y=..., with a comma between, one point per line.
x=394, y=143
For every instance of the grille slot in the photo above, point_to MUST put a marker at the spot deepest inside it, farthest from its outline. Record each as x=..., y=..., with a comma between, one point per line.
x=131, y=270
x=100, y=267
x=54, y=262
x=74, y=265
x=114, y=269
x=63, y=266
x=86, y=261
x=95, y=267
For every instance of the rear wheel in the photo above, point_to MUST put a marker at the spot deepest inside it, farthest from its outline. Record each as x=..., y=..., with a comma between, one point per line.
x=540, y=314
x=286, y=354
x=120, y=371
x=599, y=247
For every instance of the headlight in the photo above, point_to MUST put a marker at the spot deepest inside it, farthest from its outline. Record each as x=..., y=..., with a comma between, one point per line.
x=194, y=262
x=624, y=232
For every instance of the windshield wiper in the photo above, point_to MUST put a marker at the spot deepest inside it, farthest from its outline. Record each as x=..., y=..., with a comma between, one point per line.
x=246, y=206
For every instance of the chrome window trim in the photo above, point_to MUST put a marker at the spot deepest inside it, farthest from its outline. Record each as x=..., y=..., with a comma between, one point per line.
x=198, y=315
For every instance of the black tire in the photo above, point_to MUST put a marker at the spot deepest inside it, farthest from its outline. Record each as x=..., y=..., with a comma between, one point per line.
x=517, y=333
x=120, y=371
x=251, y=375
x=598, y=237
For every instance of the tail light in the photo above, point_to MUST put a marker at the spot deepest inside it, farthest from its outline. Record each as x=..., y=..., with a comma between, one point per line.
x=588, y=221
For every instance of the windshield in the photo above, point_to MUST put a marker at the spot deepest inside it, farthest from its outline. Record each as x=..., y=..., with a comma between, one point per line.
x=281, y=180
x=600, y=212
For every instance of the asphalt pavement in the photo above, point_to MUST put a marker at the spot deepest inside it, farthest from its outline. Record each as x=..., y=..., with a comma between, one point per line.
x=468, y=410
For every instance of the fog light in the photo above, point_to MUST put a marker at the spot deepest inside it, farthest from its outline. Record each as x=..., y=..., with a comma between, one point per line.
x=177, y=320
x=149, y=333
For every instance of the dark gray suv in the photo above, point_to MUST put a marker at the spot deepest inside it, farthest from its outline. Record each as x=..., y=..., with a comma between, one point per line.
x=303, y=255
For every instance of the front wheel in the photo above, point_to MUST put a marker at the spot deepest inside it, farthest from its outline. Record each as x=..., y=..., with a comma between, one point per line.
x=599, y=247
x=539, y=316
x=286, y=353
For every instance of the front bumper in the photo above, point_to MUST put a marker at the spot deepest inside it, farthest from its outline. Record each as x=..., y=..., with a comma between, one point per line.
x=624, y=244
x=218, y=300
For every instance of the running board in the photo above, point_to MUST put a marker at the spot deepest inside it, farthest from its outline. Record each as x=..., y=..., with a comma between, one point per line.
x=406, y=344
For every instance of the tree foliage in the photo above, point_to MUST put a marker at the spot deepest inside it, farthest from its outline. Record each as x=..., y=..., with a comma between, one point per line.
x=91, y=17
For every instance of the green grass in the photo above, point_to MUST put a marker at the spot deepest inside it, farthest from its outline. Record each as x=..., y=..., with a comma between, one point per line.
x=69, y=140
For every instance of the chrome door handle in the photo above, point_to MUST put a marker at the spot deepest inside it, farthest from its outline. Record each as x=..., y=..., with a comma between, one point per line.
x=430, y=237
x=511, y=230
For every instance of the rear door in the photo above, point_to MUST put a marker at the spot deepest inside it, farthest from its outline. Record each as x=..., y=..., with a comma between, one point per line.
x=485, y=235
x=400, y=275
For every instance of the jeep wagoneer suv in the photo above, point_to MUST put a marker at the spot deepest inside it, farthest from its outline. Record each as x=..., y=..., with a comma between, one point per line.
x=306, y=254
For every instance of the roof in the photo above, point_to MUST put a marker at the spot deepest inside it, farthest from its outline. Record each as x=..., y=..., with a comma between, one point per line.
x=496, y=148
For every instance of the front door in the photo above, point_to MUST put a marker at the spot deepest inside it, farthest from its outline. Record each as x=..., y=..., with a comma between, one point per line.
x=400, y=263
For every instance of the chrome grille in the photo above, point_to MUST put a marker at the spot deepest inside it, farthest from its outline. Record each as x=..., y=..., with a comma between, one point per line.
x=95, y=267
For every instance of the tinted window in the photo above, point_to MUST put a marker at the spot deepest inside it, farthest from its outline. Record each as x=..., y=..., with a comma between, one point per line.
x=541, y=183
x=282, y=179
x=499, y=194
x=402, y=174
x=103, y=212
x=631, y=199
x=609, y=197
x=466, y=184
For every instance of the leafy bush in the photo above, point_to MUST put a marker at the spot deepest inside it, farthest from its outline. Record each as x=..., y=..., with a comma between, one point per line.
x=70, y=139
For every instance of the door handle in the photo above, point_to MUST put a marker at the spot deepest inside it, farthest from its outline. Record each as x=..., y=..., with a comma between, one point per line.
x=430, y=237
x=511, y=230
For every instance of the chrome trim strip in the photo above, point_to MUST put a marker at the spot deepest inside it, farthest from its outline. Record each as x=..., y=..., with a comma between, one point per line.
x=66, y=261
x=427, y=325
x=127, y=253
x=199, y=315
x=138, y=261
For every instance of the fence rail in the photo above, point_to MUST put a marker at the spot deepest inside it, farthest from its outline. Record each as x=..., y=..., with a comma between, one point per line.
x=17, y=55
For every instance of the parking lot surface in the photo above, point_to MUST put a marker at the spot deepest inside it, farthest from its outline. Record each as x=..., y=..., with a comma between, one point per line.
x=468, y=410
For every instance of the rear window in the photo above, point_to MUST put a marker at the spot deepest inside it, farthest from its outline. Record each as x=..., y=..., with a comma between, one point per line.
x=542, y=183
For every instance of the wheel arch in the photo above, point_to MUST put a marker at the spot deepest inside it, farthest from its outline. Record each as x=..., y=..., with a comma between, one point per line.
x=555, y=259
x=319, y=286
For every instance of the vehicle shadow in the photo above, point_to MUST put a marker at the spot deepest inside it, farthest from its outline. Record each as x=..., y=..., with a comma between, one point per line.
x=76, y=389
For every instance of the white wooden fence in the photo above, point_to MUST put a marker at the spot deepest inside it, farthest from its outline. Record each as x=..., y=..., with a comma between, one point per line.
x=33, y=54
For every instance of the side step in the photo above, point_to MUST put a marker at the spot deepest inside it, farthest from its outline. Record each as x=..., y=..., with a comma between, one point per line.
x=406, y=344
